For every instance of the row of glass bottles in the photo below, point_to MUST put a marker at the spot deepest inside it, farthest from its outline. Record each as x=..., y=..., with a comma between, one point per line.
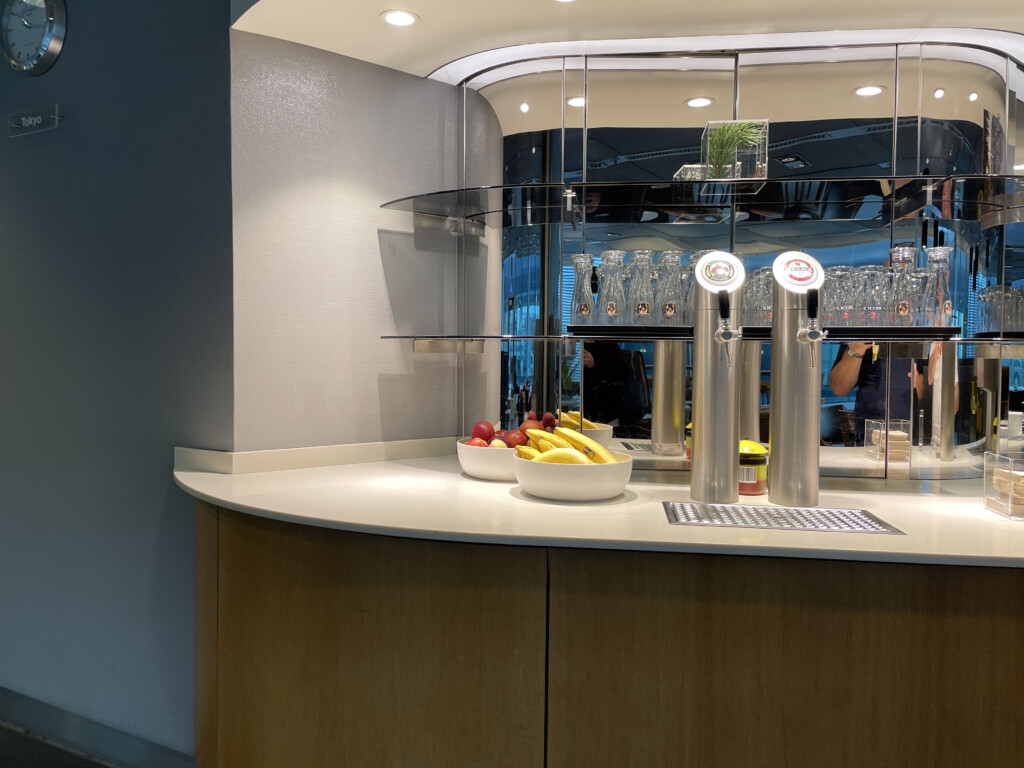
x=640, y=293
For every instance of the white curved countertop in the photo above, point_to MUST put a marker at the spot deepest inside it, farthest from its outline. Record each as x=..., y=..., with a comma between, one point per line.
x=429, y=497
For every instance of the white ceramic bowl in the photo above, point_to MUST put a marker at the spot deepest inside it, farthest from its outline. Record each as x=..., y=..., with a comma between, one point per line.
x=574, y=482
x=602, y=433
x=486, y=463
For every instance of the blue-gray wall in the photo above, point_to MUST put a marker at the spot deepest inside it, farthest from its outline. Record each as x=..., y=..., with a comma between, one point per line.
x=115, y=346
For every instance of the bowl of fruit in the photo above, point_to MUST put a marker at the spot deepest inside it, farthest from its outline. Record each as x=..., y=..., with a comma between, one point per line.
x=567, y=465
x=487, y=453
x=602, y=433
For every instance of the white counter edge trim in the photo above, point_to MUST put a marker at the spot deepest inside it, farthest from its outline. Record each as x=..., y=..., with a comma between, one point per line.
x=245, y=462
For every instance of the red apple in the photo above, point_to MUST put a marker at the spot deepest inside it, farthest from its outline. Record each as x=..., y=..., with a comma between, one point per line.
x=500, y=433
x=530, y=424
x=483, y=430
x=515, y=437
x=549, y=420
x=531, y=416
x=498, y=443
x=477, y=442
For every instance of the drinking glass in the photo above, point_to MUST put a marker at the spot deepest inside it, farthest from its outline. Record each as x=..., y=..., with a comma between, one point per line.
x=938, y=301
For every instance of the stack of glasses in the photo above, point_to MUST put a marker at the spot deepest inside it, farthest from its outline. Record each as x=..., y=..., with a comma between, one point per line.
x=1002, y=309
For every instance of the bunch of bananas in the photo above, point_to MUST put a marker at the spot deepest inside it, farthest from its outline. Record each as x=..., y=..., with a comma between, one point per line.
x=563, y=446
x=575, y=420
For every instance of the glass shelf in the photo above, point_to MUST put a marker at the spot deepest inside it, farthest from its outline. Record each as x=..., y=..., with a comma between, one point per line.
x=873, y=202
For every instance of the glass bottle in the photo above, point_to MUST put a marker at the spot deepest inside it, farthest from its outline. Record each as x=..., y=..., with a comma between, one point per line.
x=669, y=300
x=641, y=289
x=902, y=258
x=582, y=298
x=938, y=307
x=611, y=297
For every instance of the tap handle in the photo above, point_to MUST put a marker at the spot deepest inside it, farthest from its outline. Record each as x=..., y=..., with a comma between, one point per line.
x=723, y=306
x=812, y=305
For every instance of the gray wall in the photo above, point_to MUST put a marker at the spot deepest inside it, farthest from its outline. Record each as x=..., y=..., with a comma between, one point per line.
x=115, y=346
x=319, y=142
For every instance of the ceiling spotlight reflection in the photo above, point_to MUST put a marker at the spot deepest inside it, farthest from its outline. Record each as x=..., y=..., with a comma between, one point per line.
x=399, y=18
x=869, y=90
x=939, y=93
x=972, y=96
x=700, y=101
x=524, y=107
x=576, y=101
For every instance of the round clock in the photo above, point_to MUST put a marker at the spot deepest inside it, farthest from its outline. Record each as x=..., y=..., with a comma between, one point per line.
x=32, y=33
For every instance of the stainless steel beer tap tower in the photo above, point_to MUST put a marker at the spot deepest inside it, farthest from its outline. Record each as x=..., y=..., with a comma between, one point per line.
x=714, y=472
x=795, y=404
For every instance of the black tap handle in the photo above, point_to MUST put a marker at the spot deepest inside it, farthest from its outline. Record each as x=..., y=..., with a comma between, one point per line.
x=812, y=303
x=723, y=304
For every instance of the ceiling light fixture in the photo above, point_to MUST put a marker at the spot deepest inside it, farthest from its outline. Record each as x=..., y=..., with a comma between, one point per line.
x=869, y=90
x=524, y=107
x=576, y=101
x=399, y=18
x=972, y=96
x=1019, y=167
x=700, y=101
x=563, y=1
x=939, y=93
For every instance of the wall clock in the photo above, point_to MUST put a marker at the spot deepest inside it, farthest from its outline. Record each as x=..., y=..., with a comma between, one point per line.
x=32, y=33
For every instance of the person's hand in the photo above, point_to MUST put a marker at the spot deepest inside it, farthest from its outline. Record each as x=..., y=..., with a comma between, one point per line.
x=588, y=359
x=860, y=347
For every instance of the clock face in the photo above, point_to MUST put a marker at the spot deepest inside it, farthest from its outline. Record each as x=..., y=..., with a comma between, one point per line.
x=32, y=33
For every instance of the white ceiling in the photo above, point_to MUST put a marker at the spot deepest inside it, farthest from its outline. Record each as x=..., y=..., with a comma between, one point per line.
x=451, y=29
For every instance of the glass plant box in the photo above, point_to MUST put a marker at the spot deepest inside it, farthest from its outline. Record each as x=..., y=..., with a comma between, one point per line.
x=1004, y=483
x=735, y=149
x=894, y=444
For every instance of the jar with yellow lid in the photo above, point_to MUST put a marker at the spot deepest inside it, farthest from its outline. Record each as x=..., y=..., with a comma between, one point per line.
x=753, y=469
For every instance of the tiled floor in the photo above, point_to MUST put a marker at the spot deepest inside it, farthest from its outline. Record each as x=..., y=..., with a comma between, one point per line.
x=20, y=751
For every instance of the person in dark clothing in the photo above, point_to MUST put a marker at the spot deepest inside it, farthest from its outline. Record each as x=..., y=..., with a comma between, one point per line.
x=856, y=366
x=608, y=393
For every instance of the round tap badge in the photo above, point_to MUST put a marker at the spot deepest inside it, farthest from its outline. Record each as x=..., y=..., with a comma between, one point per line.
x=718, y=270
x=798, y=272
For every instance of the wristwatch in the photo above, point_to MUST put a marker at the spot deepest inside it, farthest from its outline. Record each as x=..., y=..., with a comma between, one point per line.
x=851, y=353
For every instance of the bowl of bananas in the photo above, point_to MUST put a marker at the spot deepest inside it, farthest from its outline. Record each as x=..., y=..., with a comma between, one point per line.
x=566, y=465
x=602, y=433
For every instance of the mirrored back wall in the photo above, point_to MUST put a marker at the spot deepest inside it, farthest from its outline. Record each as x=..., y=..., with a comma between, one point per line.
x=928, y=109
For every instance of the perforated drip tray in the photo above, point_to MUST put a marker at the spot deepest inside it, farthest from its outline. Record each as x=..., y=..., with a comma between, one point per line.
x=777, y=518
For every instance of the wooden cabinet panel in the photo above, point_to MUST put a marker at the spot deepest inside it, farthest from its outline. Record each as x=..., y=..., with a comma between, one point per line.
x=689, y=660
x=341, y=649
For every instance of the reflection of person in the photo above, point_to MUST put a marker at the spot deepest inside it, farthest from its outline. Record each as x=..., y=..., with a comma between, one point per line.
x=607, y=394
x=856, y=366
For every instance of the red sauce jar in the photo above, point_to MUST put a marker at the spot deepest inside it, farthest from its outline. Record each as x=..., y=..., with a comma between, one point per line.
x=753, y=474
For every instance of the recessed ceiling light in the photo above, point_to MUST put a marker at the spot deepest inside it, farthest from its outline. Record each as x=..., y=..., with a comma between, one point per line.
x=1019, y=167
x=524, y=107
x=563, y=1
x=399, y=18
x=939, y=93
x=972, y=96
x=576, y=101
x=700, y=101
x=869, y=90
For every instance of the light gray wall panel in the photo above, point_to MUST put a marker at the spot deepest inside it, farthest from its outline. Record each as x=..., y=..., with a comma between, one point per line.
x=320, y=141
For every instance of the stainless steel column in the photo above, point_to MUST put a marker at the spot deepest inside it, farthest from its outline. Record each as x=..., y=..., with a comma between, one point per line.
x=714, y=472
x=989, y=374
x=750, y=390
x=947, y=433
x=795, y=394
x=668, y=406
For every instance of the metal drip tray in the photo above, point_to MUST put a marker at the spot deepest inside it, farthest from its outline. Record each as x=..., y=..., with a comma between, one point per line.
x=777, y=518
